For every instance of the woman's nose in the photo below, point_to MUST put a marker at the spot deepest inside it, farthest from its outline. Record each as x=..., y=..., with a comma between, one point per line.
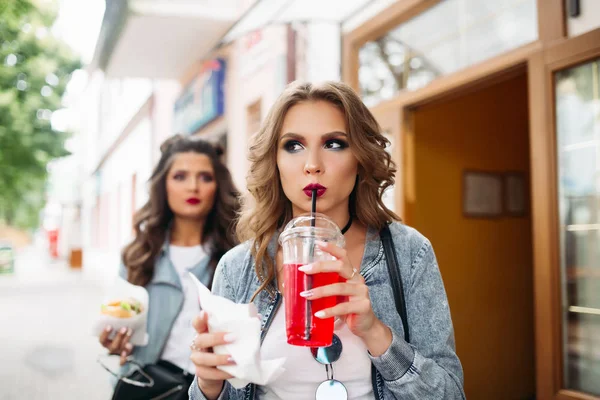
x=193, y=184
x=313, y=165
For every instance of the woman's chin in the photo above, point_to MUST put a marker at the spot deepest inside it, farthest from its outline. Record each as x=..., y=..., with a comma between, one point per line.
x=197, y=216
x=300, y=209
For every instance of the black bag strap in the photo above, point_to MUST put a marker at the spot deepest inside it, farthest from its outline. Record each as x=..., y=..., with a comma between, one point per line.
x=396, y=278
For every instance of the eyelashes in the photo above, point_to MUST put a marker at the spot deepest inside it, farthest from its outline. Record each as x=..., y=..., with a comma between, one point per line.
x=207, y=178
x=336, y=144
x=294, y=146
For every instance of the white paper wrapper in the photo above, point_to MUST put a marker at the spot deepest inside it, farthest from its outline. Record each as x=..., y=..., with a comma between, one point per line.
x=123, y=290
x=241, y=320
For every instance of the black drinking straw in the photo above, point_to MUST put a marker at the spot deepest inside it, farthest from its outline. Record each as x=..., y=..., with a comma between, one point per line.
x=307, y=277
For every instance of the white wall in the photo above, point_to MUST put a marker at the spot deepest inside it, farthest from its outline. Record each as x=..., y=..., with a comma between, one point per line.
x=257, y=74
x=371, y=10
x=588, y=19
x=165, y=95
x=323, y=52
x=133, y=156
x=120, y=100
x=105, y=109
x=87, y=107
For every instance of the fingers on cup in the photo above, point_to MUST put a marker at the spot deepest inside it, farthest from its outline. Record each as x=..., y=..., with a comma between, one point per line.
x=336, y=251
x=350, y=307
x=335, y=289
x=322, y=266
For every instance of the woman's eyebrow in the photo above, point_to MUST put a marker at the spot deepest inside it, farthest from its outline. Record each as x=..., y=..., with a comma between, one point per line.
x=291, y=135
x=334, y=134
x=325, y=136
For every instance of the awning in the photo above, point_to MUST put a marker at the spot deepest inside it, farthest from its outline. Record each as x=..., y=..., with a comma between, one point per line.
x=160, y=38
x=271, y=12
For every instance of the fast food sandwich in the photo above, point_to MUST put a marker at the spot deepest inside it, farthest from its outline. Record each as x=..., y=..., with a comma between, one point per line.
x=125, y=308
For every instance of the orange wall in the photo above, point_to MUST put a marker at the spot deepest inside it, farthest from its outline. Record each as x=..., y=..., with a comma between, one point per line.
x=486, y=264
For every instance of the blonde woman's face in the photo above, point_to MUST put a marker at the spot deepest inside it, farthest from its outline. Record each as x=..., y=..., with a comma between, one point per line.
x=191, y=185
x=313, y=152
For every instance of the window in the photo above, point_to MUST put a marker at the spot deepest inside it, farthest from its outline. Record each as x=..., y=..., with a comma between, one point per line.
x=578, y=146
x=449, y=36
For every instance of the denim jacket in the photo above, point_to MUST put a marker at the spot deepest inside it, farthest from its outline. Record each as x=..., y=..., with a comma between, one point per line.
x=165, y=302
x=427, y=368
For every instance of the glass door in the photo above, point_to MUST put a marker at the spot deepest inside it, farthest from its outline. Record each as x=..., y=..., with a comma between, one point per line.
x=577, y=122
x=564, y=92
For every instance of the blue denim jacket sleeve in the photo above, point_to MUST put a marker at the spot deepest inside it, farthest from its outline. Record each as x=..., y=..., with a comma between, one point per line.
x=220, y=287
x=434, y=370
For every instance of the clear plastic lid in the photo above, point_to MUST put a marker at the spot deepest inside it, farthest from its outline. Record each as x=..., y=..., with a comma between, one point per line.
x=302, y=227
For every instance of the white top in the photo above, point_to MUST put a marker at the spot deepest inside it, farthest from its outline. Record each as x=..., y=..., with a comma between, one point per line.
x=303, y=373
x=177, y=349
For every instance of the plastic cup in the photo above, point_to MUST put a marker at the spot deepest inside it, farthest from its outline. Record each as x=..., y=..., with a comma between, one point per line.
x=298, y=243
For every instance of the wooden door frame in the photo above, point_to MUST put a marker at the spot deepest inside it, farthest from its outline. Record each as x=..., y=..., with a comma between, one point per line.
x=541, y=64
x=547, y=269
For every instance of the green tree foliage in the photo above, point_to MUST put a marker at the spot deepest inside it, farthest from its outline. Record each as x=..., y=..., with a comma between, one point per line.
x=35, y=68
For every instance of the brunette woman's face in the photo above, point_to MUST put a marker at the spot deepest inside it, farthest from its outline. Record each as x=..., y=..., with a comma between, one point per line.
x=313, y=152
x=191, y=185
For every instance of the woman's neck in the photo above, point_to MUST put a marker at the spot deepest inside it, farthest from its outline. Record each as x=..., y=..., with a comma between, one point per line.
x=186, y=232
x=341, y=216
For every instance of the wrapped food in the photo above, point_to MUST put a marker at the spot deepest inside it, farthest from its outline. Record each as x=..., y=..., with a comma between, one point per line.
x=126, y=308
x=125, y=305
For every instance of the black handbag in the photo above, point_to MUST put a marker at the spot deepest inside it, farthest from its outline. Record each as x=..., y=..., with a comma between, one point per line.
x=160, y=381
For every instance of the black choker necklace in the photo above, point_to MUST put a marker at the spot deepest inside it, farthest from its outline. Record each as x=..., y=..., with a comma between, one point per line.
x=348, y=225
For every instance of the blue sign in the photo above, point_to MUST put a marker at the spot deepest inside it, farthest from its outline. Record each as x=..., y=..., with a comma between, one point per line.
x=202, y=100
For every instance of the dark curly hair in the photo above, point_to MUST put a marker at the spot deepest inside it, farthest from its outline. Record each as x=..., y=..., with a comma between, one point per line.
x=152, y=221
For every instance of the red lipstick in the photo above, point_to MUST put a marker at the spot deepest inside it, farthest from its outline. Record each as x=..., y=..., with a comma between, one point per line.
x=314, y=186
x=193, y=200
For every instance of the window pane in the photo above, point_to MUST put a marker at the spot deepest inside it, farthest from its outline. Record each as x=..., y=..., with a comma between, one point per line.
x=578, y=139
x=448, y=37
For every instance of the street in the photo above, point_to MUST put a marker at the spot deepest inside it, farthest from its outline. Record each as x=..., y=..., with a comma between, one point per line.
x=46, y=346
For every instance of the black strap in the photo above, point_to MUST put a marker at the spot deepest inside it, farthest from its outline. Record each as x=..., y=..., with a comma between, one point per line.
x=394, y=271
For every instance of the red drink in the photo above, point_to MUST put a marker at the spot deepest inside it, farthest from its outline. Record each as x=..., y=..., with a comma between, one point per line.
x=298, y=245
x=320, y=330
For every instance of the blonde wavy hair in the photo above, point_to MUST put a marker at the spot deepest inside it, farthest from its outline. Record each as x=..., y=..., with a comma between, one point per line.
x=265, y=208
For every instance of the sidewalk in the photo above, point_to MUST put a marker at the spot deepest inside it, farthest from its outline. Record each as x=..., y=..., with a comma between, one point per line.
x=47, y=348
